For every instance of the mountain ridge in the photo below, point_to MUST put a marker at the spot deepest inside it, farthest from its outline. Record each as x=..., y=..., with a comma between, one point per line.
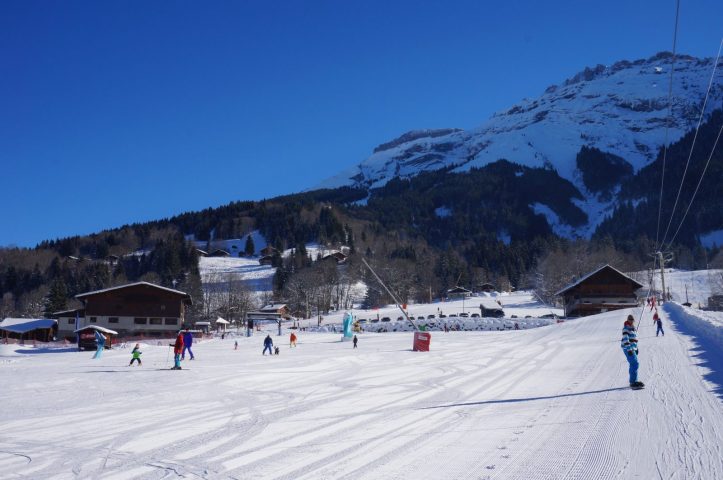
x=621, y=110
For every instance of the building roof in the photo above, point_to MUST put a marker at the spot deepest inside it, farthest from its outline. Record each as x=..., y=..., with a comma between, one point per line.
x=582, y=279
x=23, y=325
x=458, y=290
x=222, y=321
x=66, y=313
x=273, y=308
x=489, y=304
x=96, y=327
x=96, y=292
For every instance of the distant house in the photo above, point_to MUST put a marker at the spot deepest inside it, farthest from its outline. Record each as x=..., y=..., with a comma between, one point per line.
x=266, y=260
x=490, y=308
x=336, y=256
x=485, y=287
x=599, y=291
x=268, y=250
x=219, y=253
x=41, y=329
x=715, y=302
x=277, y=308
x=458, y=293
x=139, y=308
x=201, y=253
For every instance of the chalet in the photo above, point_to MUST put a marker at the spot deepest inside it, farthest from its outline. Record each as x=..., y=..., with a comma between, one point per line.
x=485, y=287
x=490, y=308
x=266, y=260
x=599, y=291
x=458, y=293
x=715, y=303
x=219, y=253
x=268, y=250
x=336, y=256
x=277, y=308
x=139, y=308
x=40, y=329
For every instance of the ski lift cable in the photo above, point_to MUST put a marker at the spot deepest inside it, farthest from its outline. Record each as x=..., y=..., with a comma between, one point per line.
x=697, y=187
x=396, y=301
x=667, y=122
x=695, y=138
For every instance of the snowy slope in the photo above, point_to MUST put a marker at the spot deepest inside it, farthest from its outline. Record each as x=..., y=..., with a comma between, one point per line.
x=621, y=109
x=544, y=403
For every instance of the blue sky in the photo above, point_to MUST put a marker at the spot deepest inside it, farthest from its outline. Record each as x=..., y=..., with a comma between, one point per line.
x=127, y=111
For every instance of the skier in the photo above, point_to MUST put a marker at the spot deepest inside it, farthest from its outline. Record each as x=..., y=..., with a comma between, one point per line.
x=235, y=344
x=187, y=342
x=177, y=351
x=136, y=355
x=292, y=340
x=659, y=324
x=100, y=342
x=355, y=340
x=629, y=344
x=268, y=343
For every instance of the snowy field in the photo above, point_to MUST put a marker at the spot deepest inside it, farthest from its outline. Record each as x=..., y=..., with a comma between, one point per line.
x=543, y=403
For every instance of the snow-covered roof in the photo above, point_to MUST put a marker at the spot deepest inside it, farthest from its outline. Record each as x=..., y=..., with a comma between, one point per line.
x=23, y=325
x=95, y=292
x=206, y=324
x=96, y=327
x=222, y=321
x=582, y=279
x=489, y=304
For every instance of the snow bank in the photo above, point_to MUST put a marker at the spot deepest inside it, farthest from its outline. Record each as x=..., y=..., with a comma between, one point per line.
x=453, y=324
x=706, y=329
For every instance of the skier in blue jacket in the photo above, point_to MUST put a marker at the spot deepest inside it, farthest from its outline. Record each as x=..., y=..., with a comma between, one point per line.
x=629, y=344
x=268, y=343
x=187, y=342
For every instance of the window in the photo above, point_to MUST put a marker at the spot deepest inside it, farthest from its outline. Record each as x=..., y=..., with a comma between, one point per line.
x=71, y=321
x=156, y=321
x=113, y=320
x=139, y=321
x=171, y=321
x=93, y=319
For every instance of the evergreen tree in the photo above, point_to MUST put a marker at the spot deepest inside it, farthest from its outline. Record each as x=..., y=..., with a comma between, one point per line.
x=250, y=248
x=57, y=298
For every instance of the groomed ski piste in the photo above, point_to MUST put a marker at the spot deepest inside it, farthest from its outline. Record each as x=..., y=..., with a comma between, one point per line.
x=540, y=403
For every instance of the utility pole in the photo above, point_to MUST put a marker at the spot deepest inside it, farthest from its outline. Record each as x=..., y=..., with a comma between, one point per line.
x=663, y=260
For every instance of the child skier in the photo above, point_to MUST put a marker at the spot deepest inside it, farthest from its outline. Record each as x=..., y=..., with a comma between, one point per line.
x=355, y=340
x=177, y=351
x=292, y=340
x=235, y=345
x=629, y=344
x=659, y=324
x=136, y=355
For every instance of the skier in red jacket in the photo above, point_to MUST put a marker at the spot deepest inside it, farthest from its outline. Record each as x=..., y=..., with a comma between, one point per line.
x=177, y=351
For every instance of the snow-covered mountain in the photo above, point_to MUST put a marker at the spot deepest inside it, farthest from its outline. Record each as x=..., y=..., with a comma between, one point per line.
x=620, y=109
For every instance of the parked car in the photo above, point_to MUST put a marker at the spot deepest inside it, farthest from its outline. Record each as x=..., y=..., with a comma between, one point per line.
x=375, y=320
x=452, y=315
x=475, y=315
x=362, y=320
x=464, y=315
x=429, y=316
x=386, y=319
x=442, y=315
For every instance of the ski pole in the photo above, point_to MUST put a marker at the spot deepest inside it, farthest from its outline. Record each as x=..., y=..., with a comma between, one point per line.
x=168, y=354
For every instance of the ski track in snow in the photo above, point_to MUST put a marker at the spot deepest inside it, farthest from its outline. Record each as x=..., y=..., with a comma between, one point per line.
x=545, y=403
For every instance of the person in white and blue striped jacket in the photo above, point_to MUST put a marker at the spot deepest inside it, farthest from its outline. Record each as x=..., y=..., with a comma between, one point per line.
x=629, y=344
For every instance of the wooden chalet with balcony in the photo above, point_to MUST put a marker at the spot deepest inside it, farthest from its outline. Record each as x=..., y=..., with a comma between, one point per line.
x=135, y=309
x=599, y=291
